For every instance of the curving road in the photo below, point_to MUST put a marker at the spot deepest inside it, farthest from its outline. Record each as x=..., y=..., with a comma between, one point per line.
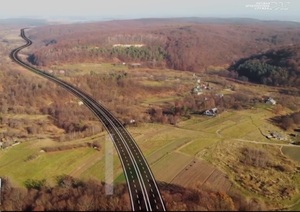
x=143, y=189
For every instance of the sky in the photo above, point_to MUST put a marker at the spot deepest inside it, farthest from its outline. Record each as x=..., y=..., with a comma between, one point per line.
x=127, y=9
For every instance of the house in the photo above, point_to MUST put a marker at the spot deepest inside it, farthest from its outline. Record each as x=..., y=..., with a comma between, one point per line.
x=197, y=90
x=61, y=71
x=134, y=65
x=271, y=101
x=211, y=112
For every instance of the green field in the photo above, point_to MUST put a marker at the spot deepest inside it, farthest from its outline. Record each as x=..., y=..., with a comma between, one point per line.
x=170, y=165
x=87, y=68
x=15, y=162
x=292, y=152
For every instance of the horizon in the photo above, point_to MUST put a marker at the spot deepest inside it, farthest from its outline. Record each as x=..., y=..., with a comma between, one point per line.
x=95, y=10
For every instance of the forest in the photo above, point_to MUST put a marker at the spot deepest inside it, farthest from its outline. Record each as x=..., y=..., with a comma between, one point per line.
x=279, y=67
x=182, y=44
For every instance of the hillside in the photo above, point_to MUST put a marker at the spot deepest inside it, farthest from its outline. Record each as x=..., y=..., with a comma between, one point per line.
x=279, y=67
x=191, y=44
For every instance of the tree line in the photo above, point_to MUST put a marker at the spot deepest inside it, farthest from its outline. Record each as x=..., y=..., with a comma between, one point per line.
x=71, y=194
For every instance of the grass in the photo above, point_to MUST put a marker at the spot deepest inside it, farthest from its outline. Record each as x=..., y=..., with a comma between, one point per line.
x=97, y=170
x=292, y=152
x=199, y=144
x=157, y=142
x=87, y=68
x=153, y=83
x=26, y=116
x=159, y=100
x=14, y=162
x=168, y=148
x=169, y=166
x=155, y=137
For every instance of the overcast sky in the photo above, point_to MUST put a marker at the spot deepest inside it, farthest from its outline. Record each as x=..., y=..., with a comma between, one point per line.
x=273, y=9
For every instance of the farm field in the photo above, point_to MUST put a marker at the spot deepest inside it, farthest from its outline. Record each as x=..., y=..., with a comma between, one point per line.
x=22, y=161
x=292, y=152
x=200, y=173
x=87, y=68
x=169, y=166
x=161, y=145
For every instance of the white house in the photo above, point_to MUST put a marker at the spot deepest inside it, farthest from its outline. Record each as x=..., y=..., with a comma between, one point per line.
x=271, y=101
x=211, y=112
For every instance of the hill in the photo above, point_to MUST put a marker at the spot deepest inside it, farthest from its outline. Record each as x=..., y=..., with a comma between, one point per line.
x=191, y=44
x=280, y=67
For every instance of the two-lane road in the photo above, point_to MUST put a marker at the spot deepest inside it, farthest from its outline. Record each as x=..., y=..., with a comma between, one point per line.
x=143, y=189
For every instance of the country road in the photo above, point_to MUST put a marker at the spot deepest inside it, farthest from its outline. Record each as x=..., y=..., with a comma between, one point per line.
x=143, y=190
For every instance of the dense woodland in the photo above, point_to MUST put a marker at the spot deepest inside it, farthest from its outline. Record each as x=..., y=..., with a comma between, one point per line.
x=70, y=194
x=183, y=44
x=275, y=67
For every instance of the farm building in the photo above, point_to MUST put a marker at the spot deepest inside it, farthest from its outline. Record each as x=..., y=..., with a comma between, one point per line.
x=211, y=112
x=196, y=90
x=271, y=101
x=277, y=136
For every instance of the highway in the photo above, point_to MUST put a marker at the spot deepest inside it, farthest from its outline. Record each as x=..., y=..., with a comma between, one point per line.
x=143, y=190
